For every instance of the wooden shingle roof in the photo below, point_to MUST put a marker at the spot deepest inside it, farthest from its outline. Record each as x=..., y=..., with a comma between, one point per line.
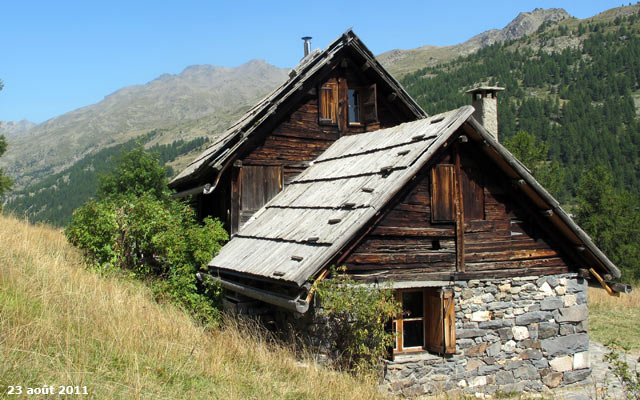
x=301, y=228
x=300, y=78
x=305, y=226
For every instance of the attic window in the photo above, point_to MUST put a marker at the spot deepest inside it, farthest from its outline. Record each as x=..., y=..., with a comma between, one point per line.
x=363, y=107
x=355, y=105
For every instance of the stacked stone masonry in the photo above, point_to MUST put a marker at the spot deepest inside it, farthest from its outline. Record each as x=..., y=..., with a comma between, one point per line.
x=513, y=335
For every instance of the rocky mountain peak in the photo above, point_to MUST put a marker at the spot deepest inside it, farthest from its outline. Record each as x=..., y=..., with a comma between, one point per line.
x=15, y=128
x=524, y=24
x=403, y=61
x=528, y=22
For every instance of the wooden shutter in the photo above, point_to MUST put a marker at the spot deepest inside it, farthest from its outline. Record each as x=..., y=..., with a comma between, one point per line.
x=449, y=311
x=440, y=321
x=443, y=193
x=369, y=108
x=328, y=103
x=259, y=184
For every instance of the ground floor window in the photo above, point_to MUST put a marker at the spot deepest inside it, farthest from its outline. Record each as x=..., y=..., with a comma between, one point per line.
x=427, y=321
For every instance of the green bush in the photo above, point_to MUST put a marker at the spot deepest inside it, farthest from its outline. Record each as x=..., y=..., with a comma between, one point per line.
x=357, y=316
x=149, y=235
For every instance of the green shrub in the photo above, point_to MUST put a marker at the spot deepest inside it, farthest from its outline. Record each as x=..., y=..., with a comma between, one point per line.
x=356, y=319
x=149, y=235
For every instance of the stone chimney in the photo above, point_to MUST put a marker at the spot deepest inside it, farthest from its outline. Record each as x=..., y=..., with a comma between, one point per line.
x=485, y=101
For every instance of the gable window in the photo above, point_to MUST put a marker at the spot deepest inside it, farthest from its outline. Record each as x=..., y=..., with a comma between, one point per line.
x=427, y=321
x=339, y=103
x=354, y=106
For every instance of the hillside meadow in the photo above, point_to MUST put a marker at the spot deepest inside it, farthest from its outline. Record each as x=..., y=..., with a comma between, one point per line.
x=615, y=318
x=62, y=324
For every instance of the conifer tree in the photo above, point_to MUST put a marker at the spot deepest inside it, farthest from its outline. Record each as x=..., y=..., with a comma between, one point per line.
x=6, y=183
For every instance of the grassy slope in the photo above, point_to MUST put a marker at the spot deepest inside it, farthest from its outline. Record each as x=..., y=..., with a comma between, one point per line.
x=615, y=318
x=61, y=324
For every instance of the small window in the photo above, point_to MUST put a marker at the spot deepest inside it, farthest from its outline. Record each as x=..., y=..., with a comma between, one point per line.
x=427, y=321
x=354, y=106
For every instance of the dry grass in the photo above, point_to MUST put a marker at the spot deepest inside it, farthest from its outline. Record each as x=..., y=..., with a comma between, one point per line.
x=61, y=324
x=615, y=318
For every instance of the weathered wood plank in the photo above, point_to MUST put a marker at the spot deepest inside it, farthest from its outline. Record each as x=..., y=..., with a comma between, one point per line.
x=421, y=275
x=400, y=258
x=448, y=232
x=511, y=264
x=510, y=254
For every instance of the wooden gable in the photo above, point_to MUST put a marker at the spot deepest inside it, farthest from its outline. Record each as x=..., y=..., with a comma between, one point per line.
x=279, y=153
x=459, y=219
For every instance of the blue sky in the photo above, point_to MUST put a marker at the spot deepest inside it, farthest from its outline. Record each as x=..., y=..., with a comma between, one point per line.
x=56, y=56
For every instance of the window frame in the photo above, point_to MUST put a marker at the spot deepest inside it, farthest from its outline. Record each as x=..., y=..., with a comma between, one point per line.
x=334, y=106
x=446, y=328
x=398, y=324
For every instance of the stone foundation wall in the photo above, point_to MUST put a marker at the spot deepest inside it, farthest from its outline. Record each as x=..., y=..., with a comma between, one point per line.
x=512, y=335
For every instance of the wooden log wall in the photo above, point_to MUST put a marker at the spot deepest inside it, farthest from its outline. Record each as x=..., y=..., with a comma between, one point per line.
x=501, y=239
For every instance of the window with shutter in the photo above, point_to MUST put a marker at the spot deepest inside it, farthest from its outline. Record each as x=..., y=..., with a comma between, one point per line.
x=442, y=193
x=427, y=321
x=357, y=104
x=328, y=104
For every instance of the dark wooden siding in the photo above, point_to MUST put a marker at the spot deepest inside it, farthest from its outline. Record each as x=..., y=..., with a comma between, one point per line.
x=405, y=245
x=501, y=237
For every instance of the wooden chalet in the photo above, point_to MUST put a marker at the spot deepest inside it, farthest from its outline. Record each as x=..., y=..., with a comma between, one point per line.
x=439, y=208
x=339, y=166
x=339, y=91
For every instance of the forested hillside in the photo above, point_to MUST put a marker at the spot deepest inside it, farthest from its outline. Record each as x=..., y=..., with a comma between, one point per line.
x=54, y=198
x=579, y=99
x=570, y=113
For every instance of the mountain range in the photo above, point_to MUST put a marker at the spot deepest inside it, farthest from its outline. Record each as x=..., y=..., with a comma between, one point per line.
x=200, y=101
x=401, y=62
x=15, y=128
x=203, y=100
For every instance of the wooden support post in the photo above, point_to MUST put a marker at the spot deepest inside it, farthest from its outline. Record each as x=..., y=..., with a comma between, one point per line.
x=603, y=283
x=236, y=196
x=322, y=275
x=459, y=204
